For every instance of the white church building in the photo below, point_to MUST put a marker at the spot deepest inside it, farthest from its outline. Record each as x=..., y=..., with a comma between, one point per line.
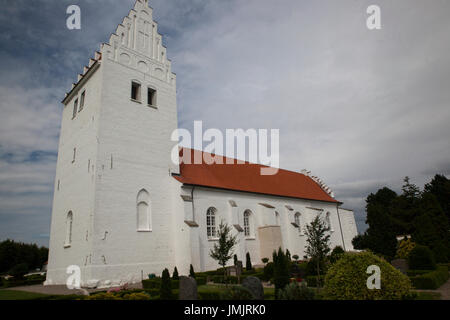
x=122, y=209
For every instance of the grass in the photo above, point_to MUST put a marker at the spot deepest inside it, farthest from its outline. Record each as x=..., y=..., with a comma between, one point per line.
x=421, y=295
x=20, y=295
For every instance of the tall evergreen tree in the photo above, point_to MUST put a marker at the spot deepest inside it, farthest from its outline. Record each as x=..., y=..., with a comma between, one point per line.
x=317, y=242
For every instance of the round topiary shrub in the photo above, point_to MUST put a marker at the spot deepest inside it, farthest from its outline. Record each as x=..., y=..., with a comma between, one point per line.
x=347, y=279
x=421, y=258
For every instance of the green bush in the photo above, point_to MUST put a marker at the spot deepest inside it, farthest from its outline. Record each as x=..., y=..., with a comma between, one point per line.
x=431, y=280
x=222, y=279
x=209, y=295
x=412, y=273
x=155, y=283
x=336, y=254
x=311, y=268
x=191, y=271
x=312, y=281
x=294, y=291
x=19, y=270
x=200, y=281
x=236, y=293
x=268, y=271
x=347, y=279
x=248, y=262
x=166, y=286
x=175, y=275
x=421, y=258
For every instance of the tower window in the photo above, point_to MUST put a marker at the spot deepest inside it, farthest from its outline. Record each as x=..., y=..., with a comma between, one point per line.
x=151, y=97
x=83, y=95
x=74, y=154
x=135, y=91
x=75, y=109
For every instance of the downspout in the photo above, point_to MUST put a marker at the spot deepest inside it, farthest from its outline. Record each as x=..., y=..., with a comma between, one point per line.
x=192, y=199
x=340, y=226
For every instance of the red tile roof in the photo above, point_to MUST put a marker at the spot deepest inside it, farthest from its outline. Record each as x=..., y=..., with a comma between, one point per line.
x=246, y=177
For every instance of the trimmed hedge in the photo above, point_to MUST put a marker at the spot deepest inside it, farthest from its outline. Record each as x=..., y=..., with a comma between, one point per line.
x=412, y=273
x=155, y=283
x=431, y=280
x=27, y=281
x=200, y=280
x=221, y=279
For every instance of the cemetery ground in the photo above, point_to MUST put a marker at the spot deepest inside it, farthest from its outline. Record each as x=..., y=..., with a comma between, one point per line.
x=40, y=292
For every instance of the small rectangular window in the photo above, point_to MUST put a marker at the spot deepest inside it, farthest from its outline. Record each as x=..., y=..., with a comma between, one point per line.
x=75, y=109
x=74, y=154
x=83, y=94
x=135, y=91
x=151, y=97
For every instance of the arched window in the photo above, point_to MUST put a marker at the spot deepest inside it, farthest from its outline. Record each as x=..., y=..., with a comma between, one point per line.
x=211, y=222
x=277, y=218
x=144, y=219
x=247, y=223
x=297, y=219
x=69, y=223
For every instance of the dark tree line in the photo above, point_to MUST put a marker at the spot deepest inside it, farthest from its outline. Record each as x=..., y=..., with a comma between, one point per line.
x=17, y=253
x=425, y=215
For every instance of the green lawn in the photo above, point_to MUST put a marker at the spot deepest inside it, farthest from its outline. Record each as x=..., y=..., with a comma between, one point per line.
x=19, y=295
x=428, y=295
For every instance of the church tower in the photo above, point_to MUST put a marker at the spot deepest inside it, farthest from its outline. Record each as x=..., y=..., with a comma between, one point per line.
x=112, y=213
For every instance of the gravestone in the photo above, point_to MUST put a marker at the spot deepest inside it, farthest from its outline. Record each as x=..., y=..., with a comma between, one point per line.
x=188, y=288
x=400, y=264
x=255, y=287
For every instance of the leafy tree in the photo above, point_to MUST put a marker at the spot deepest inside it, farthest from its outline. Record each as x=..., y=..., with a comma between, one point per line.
x=380, y=237
x=295, y=257
x=439, y=186
x=165, y=292
x=191, y=271
x=175, y=274
x=280, y=270
x=19, y=270
x=421, y=258
x=223, y=250
x=235, y=260
x=404, y=248
x=248, y=262
x=265, y=260
x=336, y=253
x=317, y=242
x=13, y=253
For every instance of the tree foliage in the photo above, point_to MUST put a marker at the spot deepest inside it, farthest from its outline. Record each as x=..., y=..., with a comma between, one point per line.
x=13, y=253
x=347, y=279
x=280, y=270
x=165, y=292
x=422, y=214
x=317, y=242
x=223, y=249
x=248, y=262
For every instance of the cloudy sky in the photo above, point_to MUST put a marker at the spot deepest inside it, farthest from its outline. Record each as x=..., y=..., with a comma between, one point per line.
x=359, y=108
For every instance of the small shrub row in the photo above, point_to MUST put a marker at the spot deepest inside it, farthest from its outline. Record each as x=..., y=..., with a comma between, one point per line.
x=431, y=280
x=222, y=279
x=155, y=283
x=27, y=281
